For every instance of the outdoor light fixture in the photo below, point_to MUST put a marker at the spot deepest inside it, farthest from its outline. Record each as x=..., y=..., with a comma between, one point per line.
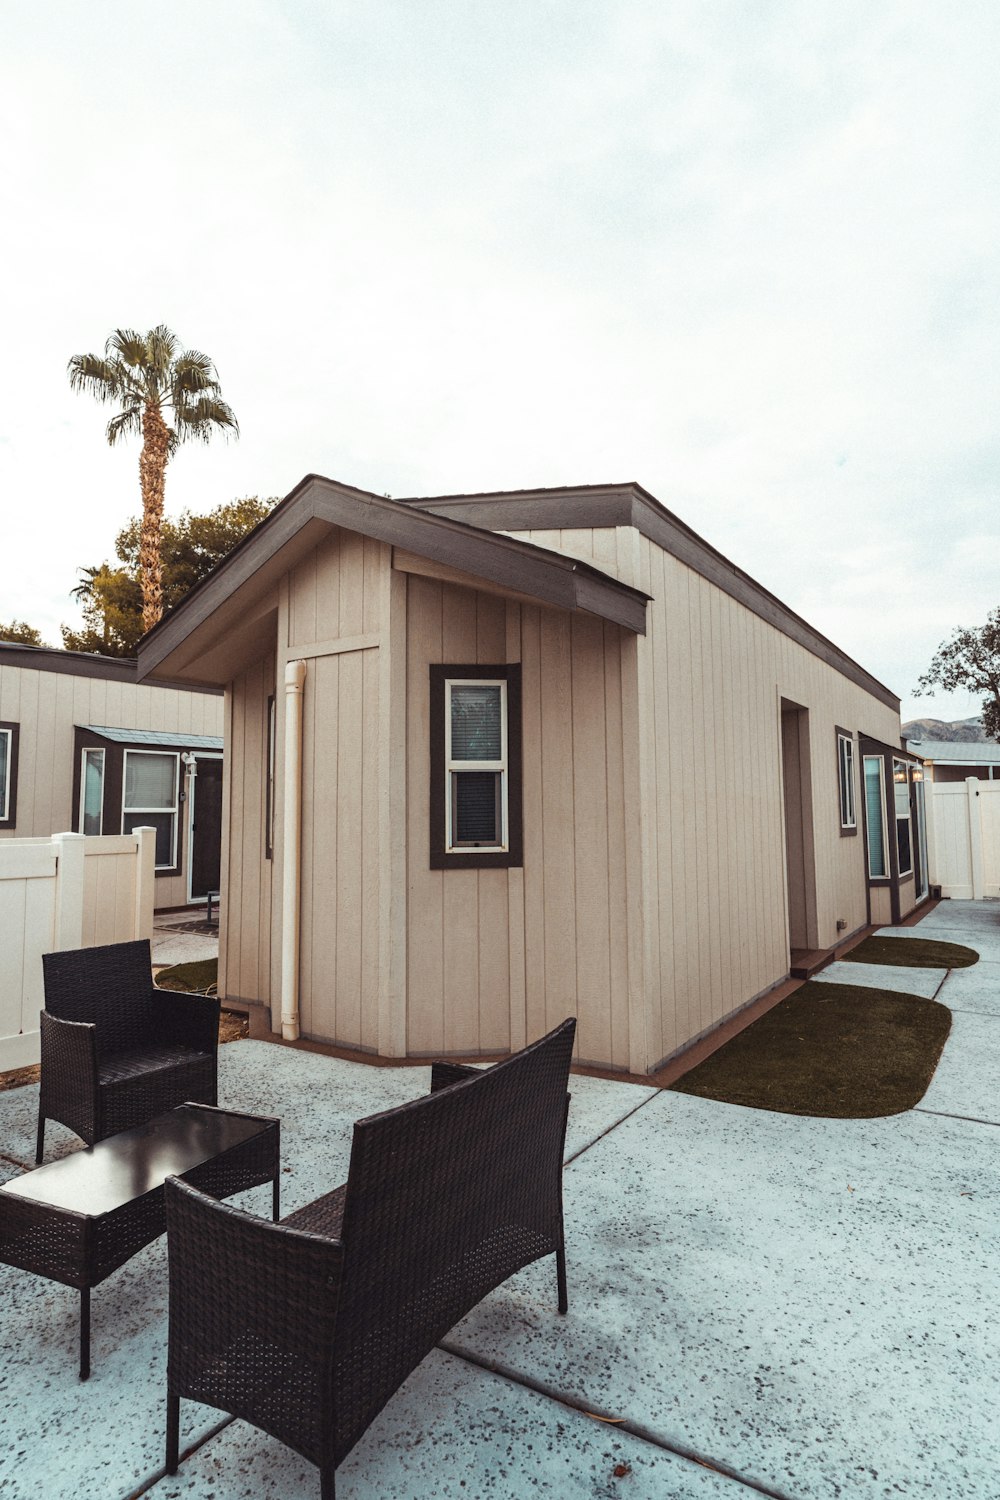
x=918, y=773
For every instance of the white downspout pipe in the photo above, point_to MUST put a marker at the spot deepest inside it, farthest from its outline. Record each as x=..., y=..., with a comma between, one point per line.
x=291, y=875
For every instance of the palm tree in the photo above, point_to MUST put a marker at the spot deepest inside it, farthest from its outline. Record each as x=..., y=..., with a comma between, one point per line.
x=148, y=375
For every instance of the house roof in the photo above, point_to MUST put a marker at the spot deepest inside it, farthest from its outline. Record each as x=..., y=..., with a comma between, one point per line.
x=82, y=664
x=629, y=504
x=239, y=592
x=171, y=737
x=958, y=752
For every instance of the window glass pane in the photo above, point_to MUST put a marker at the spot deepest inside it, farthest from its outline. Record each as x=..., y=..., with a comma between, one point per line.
x=475, y=807
x=4, y=763
x=476, y=723
x=93, y=790
x=903, y=846
x=164, y=825
x=901, y=788
x=847, y=819
x=149, y=780
x=873, y=807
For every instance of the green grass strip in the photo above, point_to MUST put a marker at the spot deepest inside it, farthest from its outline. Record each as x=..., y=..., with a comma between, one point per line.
x=833, y=1051
x=196, y=978
x=912, y=953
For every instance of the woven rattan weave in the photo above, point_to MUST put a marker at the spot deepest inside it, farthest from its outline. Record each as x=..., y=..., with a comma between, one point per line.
x=115, y=1050
x=307, y=1328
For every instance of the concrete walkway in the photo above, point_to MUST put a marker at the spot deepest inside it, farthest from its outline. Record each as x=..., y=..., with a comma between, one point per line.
x=760, y=1303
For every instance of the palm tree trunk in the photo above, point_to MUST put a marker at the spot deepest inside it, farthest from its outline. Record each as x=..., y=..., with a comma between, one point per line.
x=152, y=479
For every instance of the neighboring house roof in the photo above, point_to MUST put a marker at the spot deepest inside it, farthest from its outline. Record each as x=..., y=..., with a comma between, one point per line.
x=957, y=752
x=170, y=737
x=302, y=520
x=82, y=664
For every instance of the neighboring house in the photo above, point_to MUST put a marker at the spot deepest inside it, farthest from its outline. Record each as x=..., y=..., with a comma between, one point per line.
x=496, y=759
x=85, y=747
x=956, y=760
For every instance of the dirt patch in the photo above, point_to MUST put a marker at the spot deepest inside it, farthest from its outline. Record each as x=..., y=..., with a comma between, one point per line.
x=912, y=953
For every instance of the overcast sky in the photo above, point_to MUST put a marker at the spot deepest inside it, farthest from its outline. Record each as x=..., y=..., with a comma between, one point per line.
x=747, y=254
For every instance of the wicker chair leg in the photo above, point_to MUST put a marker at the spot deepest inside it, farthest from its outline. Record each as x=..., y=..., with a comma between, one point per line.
x=173, y=1431
x=561, y=1278
x=40, y=1140
x=327, y=1482
x=85, y=1333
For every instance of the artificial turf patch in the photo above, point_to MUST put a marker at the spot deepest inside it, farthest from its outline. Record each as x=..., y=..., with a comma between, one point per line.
x=912, y=953
x=834, y=1051
x=197, y=978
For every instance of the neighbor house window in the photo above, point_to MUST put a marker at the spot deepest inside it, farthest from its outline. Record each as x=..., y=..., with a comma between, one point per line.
x=878, y=854
x=150, y=800
x=475, y=766
x=845, y=770
x=8, y=774
x=92, y=792
x=901, y=790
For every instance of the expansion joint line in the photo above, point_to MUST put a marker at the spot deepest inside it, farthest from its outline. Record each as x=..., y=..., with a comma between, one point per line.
x=619, y=1424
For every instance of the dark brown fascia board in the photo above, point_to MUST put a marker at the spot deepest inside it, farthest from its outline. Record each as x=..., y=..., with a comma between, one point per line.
x=551, y=577
x=83, y=664
x=631, y=505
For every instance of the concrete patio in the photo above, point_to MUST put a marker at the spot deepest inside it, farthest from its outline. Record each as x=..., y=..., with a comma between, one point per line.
x=759, y=1303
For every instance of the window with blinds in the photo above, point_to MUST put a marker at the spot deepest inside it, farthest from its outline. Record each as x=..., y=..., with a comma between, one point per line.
x=476, y=765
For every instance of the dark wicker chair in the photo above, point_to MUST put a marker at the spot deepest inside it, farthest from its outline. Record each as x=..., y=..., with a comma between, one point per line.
x=116, y=1051
x=306, y=1328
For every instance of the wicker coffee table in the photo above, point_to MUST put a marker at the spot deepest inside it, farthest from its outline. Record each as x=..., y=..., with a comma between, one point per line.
x=77, y=1220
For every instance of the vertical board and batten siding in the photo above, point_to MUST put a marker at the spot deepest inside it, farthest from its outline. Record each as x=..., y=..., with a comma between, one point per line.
x=246, y=916
x=497, y=955
x=47, y=706
x=332, y=601
x=711, y=678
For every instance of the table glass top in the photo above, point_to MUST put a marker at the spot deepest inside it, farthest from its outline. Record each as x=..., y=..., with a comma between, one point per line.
x=104, y=1177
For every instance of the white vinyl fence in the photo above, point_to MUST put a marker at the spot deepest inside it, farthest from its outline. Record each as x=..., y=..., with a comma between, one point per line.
x=963, y=825
x=64, y=892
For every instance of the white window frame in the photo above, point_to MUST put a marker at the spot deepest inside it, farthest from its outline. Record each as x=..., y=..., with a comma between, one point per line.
x=902, y=817
x=455, y=767
x=882, y=818
x=91, y=750
x=8, y=769
x=176, y=758
x=846, y=781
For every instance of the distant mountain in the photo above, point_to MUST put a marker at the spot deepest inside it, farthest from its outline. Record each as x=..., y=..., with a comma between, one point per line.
x=966, y=730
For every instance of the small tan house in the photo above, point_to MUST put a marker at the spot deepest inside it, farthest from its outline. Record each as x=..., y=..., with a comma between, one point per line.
x=86, y=748
x=494, y=759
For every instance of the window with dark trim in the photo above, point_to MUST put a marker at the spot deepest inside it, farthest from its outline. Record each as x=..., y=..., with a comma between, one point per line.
x=269, y=781
x=9, y=734
x=901, y=791
x=846, y=782
x=475, y=753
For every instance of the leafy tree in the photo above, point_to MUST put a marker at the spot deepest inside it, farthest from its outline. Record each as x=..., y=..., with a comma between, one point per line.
x=191, y=547
x=971, y=660
x=21, y=633
x=148, y=375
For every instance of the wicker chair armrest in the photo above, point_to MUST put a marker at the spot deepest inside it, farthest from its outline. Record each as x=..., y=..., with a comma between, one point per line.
x=296, y=1276
x=68, y=1056
x=444, y=1074
x=187, y=1018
